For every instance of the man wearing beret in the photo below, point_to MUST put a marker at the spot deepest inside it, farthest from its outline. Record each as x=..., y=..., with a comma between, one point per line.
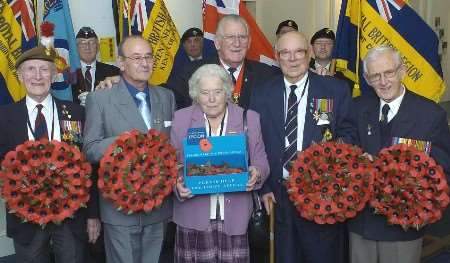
x=322, y=44
x=92, y=71
x=286, y=26
x=39, y=115
x=192, y=41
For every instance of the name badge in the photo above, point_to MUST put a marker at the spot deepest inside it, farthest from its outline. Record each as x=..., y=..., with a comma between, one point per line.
x=194, y=135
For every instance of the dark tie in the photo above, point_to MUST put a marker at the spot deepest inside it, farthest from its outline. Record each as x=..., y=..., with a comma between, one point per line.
x=232, y=70
x=290, y=128
x=384, y=115
x=40, y=125
x=88, y=78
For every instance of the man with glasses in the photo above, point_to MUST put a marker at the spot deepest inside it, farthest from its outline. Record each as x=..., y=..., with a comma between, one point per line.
x=232, y=42
x=91, y=71
x=291, y=122
x=130, y=104
x=395, y=115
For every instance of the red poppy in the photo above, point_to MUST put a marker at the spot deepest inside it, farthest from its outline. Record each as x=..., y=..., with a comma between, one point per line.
x=134, y=167
x=37, y=187
x=326, y=182
x=411, y=189
x=205, y=145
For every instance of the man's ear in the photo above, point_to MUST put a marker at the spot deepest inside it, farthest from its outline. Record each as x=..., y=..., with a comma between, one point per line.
x=120, y=63
x=402, y=71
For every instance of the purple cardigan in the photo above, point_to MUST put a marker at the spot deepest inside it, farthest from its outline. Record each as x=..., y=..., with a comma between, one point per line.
x=194, y=212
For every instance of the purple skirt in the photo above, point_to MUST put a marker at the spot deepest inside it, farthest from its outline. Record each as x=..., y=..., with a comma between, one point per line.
x=211, y=245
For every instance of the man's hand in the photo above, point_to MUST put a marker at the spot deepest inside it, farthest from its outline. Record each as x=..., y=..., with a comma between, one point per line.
x=255, y=176
x=108, y=82
x=369, y=156
x=93, y=228
x=266, y=198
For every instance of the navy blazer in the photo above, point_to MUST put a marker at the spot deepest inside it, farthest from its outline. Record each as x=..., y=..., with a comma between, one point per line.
x=255, y=74
x=269, y=103
x=417, y=118
x=14, y=131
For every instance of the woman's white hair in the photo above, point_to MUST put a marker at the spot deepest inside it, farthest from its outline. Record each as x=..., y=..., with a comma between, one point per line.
x=207, y=71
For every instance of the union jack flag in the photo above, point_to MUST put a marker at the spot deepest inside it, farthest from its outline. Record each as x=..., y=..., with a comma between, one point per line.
x=384, y=9
x=24, y=9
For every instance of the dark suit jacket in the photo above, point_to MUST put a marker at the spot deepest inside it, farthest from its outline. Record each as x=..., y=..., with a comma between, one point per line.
x=269, y=103
x=255, y=74
x=417, y=118
x=14, y=131
x=102, y=71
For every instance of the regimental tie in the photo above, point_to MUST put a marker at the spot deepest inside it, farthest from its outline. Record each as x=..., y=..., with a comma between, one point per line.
x=144, y=108
x=40, y=125
x=232, y=70
x=384, y=115
x=290, y=128
x=88, y=78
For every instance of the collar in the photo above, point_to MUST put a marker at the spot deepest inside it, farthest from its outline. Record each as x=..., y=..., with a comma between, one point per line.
x=133, y=90
x=318, y=65
x=195, y=59
x=299, y=83
x=84, y=65
x=238, y=69
x=395, y=104
x=31, y=104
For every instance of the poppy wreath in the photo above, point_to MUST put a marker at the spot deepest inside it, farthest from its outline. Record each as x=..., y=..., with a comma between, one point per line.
x=45, y=181
x=138, y=171
x=330, y=182
x=410, y=189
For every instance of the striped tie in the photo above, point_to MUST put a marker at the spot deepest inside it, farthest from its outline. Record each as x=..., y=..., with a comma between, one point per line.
x=290, y=128
x=40, y=125
x=88, y=78
x=231, y=71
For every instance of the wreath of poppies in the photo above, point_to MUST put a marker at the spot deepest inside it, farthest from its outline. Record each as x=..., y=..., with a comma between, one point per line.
x=330, y=182
x=410, y=189
x=45, y=181
x=138, y=171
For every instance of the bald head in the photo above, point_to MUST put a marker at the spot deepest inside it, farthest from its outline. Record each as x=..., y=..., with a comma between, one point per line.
x=293, y=53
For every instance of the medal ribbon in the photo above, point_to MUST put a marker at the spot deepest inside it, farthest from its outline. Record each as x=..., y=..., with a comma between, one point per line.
x=237, y=88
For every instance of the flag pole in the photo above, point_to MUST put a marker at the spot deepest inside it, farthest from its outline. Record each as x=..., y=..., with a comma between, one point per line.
x=357, y=87
x=271, y=231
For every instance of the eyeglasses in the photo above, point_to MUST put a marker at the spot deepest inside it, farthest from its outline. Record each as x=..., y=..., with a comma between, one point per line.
x=287, y=54
x=375, y=78
x=232, y=38
x=139, y=59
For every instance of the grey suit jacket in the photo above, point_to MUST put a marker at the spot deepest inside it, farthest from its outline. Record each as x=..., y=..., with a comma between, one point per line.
x=112, y=112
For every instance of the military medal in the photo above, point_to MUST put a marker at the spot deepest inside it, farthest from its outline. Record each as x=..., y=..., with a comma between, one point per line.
x=420, y=145
x=327, y=135
x=235, y=97
x=322, y=109
x=238, y=86
x=369, y=129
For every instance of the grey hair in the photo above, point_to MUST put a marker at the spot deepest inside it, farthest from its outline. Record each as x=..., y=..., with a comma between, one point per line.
x=375, y=52
x=206, y=71
x=230, y=18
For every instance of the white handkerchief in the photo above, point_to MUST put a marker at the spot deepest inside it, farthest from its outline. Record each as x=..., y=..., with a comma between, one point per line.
x=167, y=124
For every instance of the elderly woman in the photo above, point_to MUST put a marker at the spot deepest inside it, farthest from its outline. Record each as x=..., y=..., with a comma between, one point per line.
x=213, y=228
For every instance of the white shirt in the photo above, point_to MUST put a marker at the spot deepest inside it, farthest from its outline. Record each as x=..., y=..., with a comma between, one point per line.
x=92, y=70
x=327, y=67
x=236, y=73
x=393, y=106
x=301, y=111
x=48, y=112
x=217, y=198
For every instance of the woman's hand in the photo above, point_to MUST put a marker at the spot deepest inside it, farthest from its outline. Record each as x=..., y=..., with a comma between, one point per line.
x=255, y=177
x=183, y=191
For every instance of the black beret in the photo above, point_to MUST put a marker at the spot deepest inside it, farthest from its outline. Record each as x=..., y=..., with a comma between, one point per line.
x=323, y=33
x=289, y=23
x=191, y=32
x=39, y=52
x=86, y=32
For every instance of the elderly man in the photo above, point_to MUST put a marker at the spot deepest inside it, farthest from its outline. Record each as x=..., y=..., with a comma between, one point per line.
x=232, y=43
x=130, y=104
x=287, y=111
x=394, y=115
x=92, y=71
x=39, y=115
